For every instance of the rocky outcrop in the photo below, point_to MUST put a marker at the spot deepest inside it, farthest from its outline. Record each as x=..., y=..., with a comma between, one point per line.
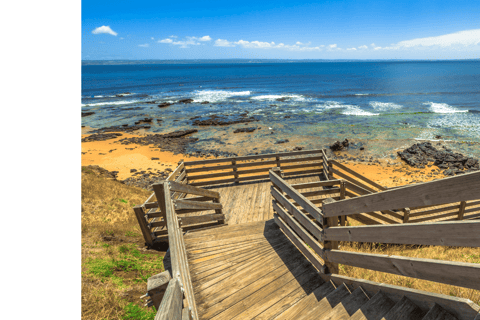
x=215, y=120
x=245, y=130
x=421, y=154
x=337, y=146
x=176, y=141
x=101, y=137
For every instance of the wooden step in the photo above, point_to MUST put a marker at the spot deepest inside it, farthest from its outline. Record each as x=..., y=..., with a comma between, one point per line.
x=438, y=313
x=348, y=306
x=326, y=304
x=404, y=310
x=375, y=308
x=307, y=303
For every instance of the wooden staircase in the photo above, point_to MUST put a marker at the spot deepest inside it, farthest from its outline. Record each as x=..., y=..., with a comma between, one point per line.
x=330, y=303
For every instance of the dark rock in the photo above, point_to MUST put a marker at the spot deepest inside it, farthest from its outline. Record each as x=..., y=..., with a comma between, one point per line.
x=101, y=137
x=204, y=102
x=337, y=146
x=297, y=148
x=85, y=114
x=164, y=104
x=287, y=117
x=245, y=130
x=133, y=170
x=215, y=120
x=282, y=99
x=282, y=141
x=155, y=158
x=362, y=148
x=185, y=101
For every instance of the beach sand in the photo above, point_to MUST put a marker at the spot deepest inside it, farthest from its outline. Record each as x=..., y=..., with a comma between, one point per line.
x=114, y=156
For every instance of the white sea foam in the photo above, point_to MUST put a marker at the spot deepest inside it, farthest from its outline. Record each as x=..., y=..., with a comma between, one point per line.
x=384, y=106
x=443, y=108
x=106, y=103
x=271, y=97
x=216, y=95
x=356, y=111
x=362, y=94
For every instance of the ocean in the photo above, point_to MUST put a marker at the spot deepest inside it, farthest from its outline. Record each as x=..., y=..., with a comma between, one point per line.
x=368, y=100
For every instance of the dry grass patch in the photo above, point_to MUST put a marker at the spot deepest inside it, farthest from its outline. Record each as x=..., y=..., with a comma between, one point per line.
x=115, y=262
x=460, y=254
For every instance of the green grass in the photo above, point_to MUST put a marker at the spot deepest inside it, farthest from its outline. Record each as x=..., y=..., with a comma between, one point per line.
x=134, y=312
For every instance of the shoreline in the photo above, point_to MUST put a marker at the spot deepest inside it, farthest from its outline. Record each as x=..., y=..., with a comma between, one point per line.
x=134, y=162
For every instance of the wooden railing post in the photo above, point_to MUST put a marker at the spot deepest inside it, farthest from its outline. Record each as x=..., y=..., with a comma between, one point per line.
x=342, y=196
x=279, y=173
x=463, y=204
x=406, y=215
x=234, y=163
x=278, y=161
x=161, y=203
x=330, y=245
x=140, y=214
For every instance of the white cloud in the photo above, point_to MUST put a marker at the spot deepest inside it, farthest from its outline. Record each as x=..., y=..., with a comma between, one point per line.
x=172, y=36
x=255, y=44
x=205, y=38
x=223, y=43
x=143, y=45
x=121, y=38
x=332, y=46
x=152, y=38
x=377, y=48
x=462, y=38
x=165, y=40
x=104, y=29
x=351, y=49
x=363, y=47
x=373, y=45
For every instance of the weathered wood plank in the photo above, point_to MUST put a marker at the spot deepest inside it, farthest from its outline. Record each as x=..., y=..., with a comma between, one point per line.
x=260, y=156
x=461, y=234
x=298, y=242
x=174, y=186
x=359, y=176
x=459, y=188
x=187, y=204
x=352, y=180
x=308, y=224
x=460, y=274
x=305, y=236
x=171, y=306
x=140, y=215
x=463, y=309
x=316, y=184
x=175, y=172
x=185, y=221
x=297, y=197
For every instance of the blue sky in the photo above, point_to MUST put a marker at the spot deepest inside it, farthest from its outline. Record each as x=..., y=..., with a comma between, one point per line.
x=281, y=30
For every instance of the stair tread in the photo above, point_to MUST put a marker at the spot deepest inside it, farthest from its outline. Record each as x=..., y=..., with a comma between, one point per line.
x=306, y=302
x=404, y=310
x=438, y=313
x=326, y=304
x=348, y=306
x=375, y=308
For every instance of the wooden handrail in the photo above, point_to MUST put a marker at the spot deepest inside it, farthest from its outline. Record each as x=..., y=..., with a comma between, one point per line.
x=460, y=274
x=460, y=188
x=460, y=234
x=179, y=187
x=180, y=269
x=297, y=197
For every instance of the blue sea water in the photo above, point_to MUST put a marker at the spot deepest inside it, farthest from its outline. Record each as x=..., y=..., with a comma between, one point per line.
x=371, y=100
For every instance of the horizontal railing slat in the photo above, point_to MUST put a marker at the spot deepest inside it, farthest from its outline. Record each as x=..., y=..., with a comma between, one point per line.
x=297, y=197
x=307, y=185
x=353, y=173
x=460, y=274
x=459, y=188
x=174, y=186
x=308, y=224
x=260, y=156
x=298, y=242
x=459, y=234
x=185, y=221
x=186, y=204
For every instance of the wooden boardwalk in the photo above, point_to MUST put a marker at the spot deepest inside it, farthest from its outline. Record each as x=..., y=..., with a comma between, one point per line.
x=250, y=202
x=247, y=271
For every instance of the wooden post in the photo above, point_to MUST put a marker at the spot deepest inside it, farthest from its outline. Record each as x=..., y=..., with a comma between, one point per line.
x=279, y=173
x=406, y=215
x=140, y=214
x=278, y=161
x=219, y=211
x=156, y=287
x=463, y=204
x=342, y=196
x=161, y=203
x=330, y=245
x=234, y=163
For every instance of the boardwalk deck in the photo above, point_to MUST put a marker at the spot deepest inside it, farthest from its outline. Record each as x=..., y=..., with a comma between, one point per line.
x=252, y=201
x=247, y=271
